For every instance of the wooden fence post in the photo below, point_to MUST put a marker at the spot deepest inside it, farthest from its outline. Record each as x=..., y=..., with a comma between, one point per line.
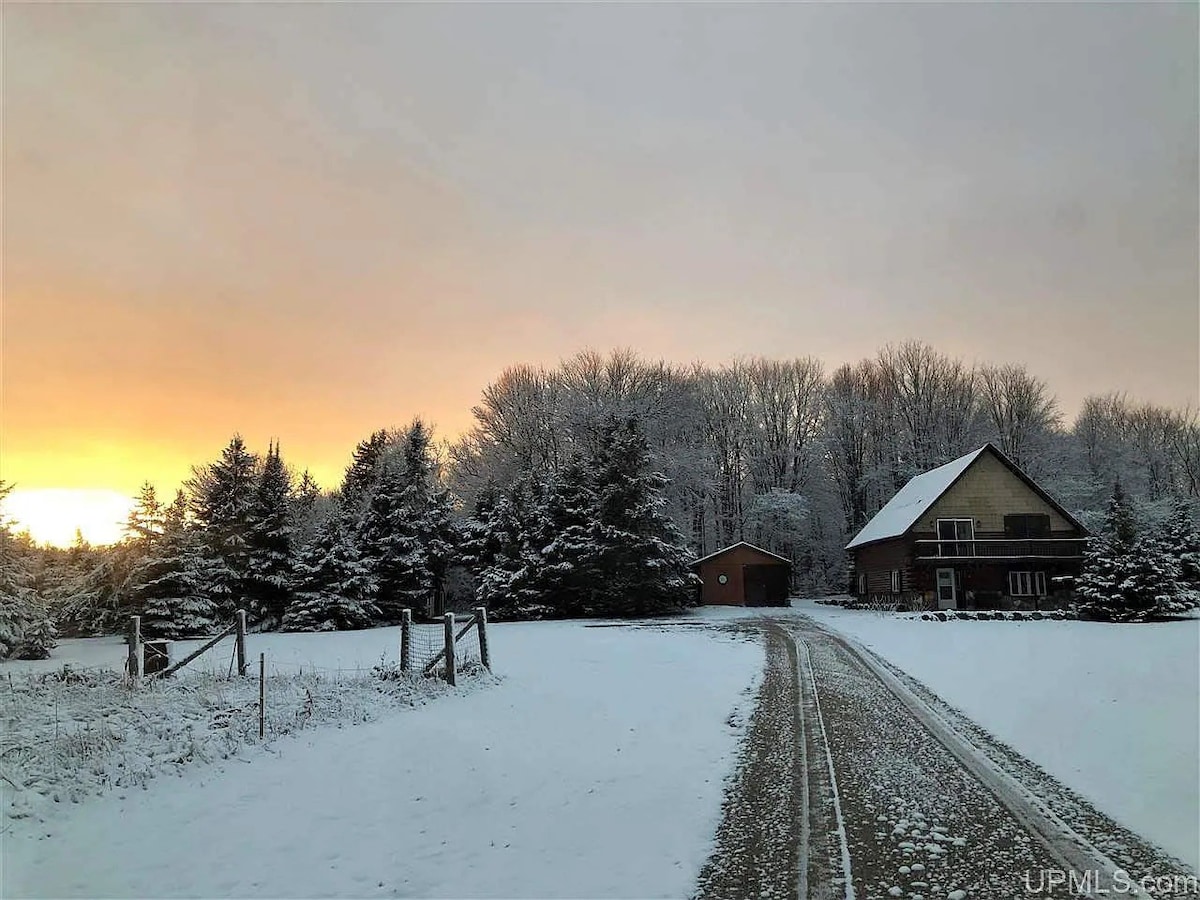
x=241, y=642
x=451, y=675
x=136, y=653
x=481, y=627
x=405, y=640
x=262, y=695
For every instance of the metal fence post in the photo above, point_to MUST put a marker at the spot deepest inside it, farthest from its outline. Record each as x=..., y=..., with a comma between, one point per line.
x=405, y=640
x=136, y=653
x=451, y=675
x=262, y=695
x=481, y=627
x=241, y=642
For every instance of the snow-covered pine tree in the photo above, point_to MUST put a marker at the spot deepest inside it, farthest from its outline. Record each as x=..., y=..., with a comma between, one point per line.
x=564, y=559
x=308, y=510
x=363, y=472
x=145, y=520
x=643, y=561
x=1126, y=577
x=88, y=592
x=223, y=495
x=166, y=586
x=432, y=532
x=1181, y=540
x=270, y=560
x=383, y=541
x=1149, y=586
x=506, y=536
x=334, y=587
x=26, y=627
x=408, y=531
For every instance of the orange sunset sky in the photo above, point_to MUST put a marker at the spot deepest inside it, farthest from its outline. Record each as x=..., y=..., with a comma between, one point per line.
x=306, y=222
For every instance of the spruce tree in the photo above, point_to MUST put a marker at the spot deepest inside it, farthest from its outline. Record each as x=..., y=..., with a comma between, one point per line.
x=307, y=510
x=145, y=520
x=384, y=541
x=599, y=542
x=431, y=534
x=565, y=569
x=506, y=537
x=1127, y=576
x=26, y=627
x=167, y=584
x=363, y=472
x=223, y=503
x=1181, y=540
x=408, y=534
x=643, y=559
x=268, y=578
x=334, y=588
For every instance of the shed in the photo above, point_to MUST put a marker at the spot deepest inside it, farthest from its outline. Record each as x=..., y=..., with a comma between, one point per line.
x=743, y=575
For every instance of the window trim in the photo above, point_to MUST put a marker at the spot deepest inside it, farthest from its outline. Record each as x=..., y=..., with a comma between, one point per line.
x=957, y=539
x=1042, y=518
x=1034, y=584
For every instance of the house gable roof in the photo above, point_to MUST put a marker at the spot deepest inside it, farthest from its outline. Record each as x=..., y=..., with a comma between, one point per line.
x=723, y=550
x=920, y=493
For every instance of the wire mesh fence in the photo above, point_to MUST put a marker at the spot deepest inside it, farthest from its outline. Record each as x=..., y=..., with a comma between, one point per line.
x=73, y=732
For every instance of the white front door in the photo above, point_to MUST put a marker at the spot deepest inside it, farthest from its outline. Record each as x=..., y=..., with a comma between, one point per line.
x=947, y=594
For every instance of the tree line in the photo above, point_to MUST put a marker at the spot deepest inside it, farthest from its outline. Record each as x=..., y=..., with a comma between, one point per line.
x=584, y=489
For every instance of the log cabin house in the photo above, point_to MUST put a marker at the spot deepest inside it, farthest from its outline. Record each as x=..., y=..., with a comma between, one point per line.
x=976, y=533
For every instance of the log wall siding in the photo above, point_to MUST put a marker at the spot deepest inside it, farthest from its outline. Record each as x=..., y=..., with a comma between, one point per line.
x=987, y=492
x=878, y=561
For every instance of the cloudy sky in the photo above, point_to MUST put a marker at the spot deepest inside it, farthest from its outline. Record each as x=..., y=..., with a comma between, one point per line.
x=306, y=222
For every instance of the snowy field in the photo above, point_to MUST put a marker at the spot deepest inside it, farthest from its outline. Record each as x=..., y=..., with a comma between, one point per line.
x=1112, y=711
x=594, y=767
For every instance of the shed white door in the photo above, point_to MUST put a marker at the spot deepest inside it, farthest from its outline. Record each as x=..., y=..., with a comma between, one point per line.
x=947, y=591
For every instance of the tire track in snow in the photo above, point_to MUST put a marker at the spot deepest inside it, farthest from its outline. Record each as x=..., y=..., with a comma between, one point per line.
x=1096, y=872
x=924, y=812
x=759, y=847
x=844, y=847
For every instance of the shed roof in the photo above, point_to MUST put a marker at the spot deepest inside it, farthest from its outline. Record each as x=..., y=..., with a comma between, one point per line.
x=782, y=559
x=913, y=500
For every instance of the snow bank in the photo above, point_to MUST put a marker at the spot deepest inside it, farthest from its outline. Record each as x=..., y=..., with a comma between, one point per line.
x=594, y=767
x=1112, y=711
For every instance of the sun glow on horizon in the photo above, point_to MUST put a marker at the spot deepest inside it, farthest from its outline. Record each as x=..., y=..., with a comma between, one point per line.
x=53, y=515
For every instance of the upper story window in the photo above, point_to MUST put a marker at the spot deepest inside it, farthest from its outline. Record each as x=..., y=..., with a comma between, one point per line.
x=954, y=537
x=1027, y=525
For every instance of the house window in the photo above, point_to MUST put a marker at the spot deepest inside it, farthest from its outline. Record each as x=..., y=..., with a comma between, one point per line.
x=1027, y=584
x=722, y=578
x=895, y=581
x=1027, y=525
x=954, y=537
x=862, y=583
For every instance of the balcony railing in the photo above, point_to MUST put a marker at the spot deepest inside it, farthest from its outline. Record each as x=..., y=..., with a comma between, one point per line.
x=1002, y=548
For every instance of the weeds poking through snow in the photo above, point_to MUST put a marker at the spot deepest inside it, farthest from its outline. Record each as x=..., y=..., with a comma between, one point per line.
x=72, y=733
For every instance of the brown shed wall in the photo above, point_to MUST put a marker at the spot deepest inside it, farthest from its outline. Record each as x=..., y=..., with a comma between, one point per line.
x=733, y=592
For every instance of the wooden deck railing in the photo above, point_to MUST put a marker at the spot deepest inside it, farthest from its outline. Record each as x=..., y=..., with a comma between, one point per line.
x=1002, y=548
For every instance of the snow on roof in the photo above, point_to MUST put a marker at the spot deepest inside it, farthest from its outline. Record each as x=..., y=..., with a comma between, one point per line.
x=912, y=500
x=741, y=544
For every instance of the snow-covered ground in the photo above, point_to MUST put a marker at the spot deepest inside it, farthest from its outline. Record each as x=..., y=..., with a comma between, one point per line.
x=594, y=767
x=1112, y=711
